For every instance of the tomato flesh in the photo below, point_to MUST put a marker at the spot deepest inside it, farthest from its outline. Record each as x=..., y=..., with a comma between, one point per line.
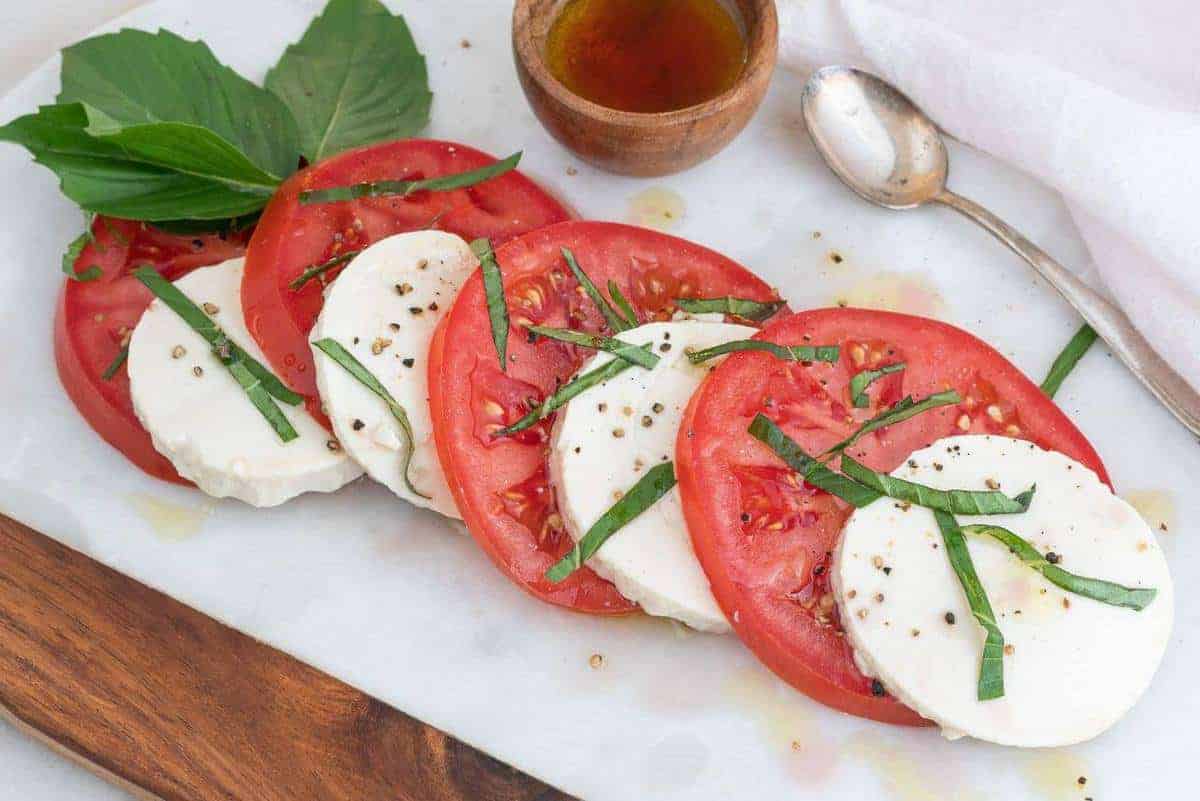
x=764, y=537
x=94, y=320
x=291, y=236
x=501, y=485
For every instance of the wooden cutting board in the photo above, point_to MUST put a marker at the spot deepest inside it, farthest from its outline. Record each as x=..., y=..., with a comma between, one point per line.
x=174, y=706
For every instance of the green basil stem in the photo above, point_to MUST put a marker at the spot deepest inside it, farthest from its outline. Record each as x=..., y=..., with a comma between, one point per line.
x=615, y=321
x=991, y=666
x=444, y=183
x=737, y=307
x=346, y=360
x=115, y=364
x=656, y=483
x=1097, y=589
x=812, y=471
x=566, y=392
x=322, y=268
x=1066, y=361
x=203, y=325
x=864, y=379
x=493, y=288
x=956, y=501
x=623, y=304
x=902, y=411
x=625, y=350
x=790, y=353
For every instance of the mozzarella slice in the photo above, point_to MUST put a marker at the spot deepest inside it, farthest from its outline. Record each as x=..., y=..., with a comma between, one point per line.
x=199, y=417
x=1075, y=665
x=607, y=438
x=384, y=308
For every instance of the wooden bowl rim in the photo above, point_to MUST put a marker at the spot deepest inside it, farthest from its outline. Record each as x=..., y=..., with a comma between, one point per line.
x=762, y=52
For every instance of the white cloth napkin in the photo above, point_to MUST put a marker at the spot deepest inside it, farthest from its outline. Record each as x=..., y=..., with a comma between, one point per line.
x=1100, y=100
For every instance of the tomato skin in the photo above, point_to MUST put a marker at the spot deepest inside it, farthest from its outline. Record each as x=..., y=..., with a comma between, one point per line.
x=749, y=572
x=291, y=236
x=470, y=397
x=93, y=317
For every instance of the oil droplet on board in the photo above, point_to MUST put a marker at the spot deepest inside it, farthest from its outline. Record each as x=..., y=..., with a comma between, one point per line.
x=1055, y=773
x=907, y=775
x=1156, y=507
x=910, y=293
x=170, y=522
x=657, y=207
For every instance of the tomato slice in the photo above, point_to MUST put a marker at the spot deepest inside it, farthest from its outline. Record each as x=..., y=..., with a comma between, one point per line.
x=501, y=485
x=764, y=537
x=94, y=320
x=292, y=237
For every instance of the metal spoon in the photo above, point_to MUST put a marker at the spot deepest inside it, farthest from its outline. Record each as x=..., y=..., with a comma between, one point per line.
x=883, y=147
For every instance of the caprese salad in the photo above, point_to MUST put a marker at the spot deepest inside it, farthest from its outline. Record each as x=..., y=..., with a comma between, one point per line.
x=887, y=512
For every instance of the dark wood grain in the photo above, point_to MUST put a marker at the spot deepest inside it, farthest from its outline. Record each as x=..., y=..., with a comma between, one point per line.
x=173, y=705
x=631, y=143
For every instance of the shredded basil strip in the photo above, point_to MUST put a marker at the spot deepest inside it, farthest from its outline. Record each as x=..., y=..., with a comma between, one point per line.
x=74, y=250
x=262, y=400
x=956, y=501
x=788, y=353
x=903, y=410
x=1097, y=589
x=812, y=471
x=1066, y=361
x=322, y=268
x=738, y=307
x=203, y=325
x=615, y=321
x=656, y=483
x=115, y=364
x=444, y=183
x=864, y=379
x=493, y=287
x=623, y=304
x=566, y=392
x=637, y=354
x=346, y=360
x=991, y=666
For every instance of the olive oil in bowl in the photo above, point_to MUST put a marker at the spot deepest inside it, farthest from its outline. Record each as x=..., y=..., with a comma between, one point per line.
x=646, y=56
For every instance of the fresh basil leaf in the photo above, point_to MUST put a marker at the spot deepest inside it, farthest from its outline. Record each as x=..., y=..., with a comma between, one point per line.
x=813, y=472
x=789, y=353
x=956, y=501
x=864, y=379
x=629, y=352
x=657, y=482
x=615, y=321
x=346, y=360
x=497, y=306
x=72, y=254
x=1097, y=589
x=354, y=78
x=139, y=78
x=1066, y=361
x=566, y=392
x=903, y=410
x=738, y=307
x=225, y=227
x=991, y=665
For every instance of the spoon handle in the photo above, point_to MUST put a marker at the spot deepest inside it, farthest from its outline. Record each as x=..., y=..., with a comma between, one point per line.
x=1113, y=326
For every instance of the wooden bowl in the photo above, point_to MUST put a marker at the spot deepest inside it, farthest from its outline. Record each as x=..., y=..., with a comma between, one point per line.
x=633, y=143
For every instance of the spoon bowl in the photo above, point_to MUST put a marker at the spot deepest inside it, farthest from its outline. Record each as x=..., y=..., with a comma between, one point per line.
x=874, y=138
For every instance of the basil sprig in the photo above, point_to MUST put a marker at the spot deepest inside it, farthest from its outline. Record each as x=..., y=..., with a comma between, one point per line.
x=260, y=385
x=991, y=666
x=493, y=288
x=812, y=471
x=443, y=183
x=1066, y=361
x=657, y=482
x=636, y=354
x=566, y=392
x=787, y=353
x=346, y=360
x=901, y=411
x=611, y=316
x=955, y=501
x=1097, y=589
x=864, y=379
x=738, y=307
